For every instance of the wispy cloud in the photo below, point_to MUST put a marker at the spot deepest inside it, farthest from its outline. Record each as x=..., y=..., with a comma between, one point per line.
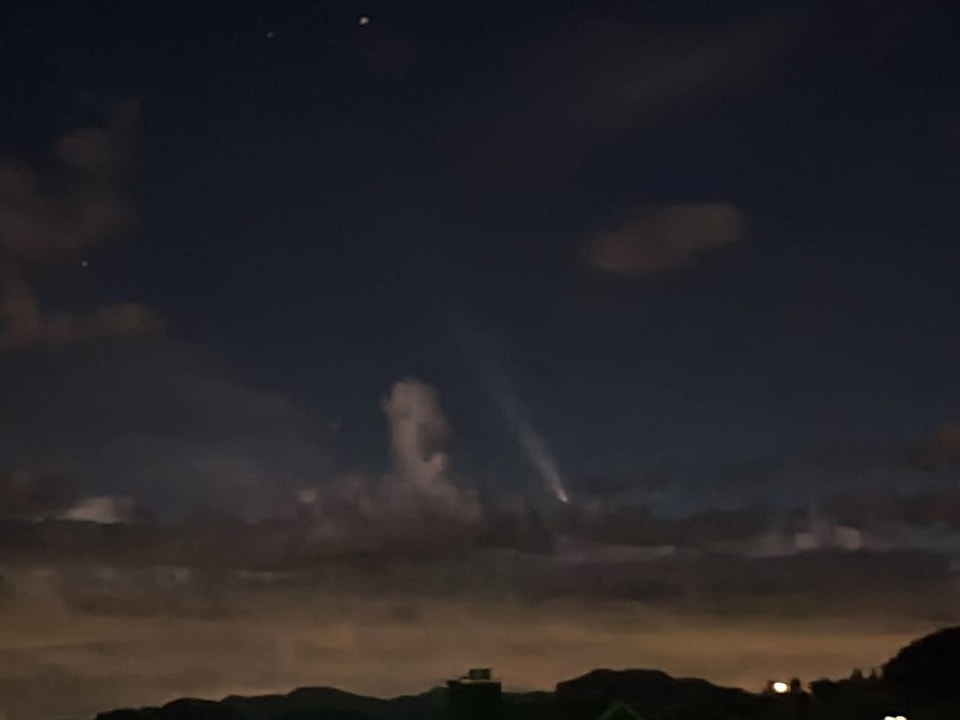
x=54, y=215
x=81, y=201
x=654, y=239
x=574, y=88
x=946, y=443
x=610, y=77
x=941, y=447
x=26, y=324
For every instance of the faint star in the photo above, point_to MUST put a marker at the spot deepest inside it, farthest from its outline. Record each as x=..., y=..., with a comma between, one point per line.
x=84, y=263
x=270, y=35
x=364, y=20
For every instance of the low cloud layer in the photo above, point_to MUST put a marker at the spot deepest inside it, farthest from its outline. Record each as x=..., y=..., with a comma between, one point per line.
x=420, y=496
x=411, y=629
x=655, y=239
x=422, y=471
x=167, y=426
x=158, y=421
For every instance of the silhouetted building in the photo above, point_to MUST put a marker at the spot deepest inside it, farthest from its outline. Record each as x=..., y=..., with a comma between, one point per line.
x=475, y=696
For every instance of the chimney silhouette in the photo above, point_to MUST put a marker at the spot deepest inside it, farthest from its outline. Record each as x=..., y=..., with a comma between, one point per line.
x=475, y=696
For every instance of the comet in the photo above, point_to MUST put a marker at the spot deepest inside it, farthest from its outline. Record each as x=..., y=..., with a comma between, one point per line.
x=514, y=415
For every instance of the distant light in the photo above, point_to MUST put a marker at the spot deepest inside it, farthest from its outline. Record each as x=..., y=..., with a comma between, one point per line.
x=270, y=35
x=780, y=688
x=84, y=263
x=364, y=20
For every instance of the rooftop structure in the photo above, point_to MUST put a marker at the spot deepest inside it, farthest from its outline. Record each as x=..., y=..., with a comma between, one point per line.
x=475, y=696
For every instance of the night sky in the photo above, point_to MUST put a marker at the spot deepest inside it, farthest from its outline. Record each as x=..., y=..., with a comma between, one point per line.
x=687, y=236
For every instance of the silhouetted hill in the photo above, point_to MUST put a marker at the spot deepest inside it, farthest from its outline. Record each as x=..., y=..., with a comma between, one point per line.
x=341, y=703
x=927, y=671
x=921, y=682
x=650, y=693
x=311, y=702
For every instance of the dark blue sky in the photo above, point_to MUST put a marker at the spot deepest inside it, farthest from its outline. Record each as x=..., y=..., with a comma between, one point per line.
x=324, y=209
